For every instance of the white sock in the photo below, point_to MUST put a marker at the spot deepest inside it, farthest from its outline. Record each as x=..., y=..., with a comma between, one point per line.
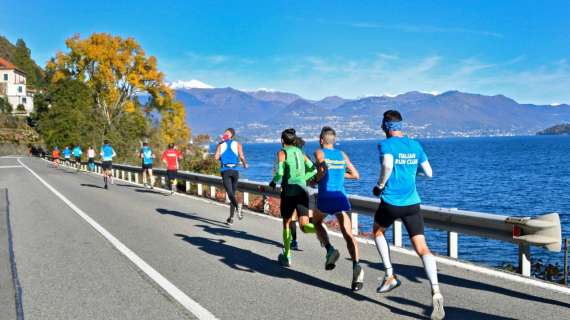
x=431, y=271
x=384, y=251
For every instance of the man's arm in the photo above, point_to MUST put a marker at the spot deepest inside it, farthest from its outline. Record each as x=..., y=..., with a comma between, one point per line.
x=426, y=168
x=385, y=170
x=280, y=168
x=321, y=165
x=310, y=170
x=241, y=155
x=217, y=154
x=351, y=172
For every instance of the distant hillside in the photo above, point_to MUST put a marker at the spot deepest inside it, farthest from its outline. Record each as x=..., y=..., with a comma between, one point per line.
x=261, y=116
x=559, y=129
x=20, y=56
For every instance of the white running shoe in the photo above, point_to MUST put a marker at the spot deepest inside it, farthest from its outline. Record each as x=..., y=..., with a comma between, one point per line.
x=239, y=213
x=438, y=313
x=388, y=284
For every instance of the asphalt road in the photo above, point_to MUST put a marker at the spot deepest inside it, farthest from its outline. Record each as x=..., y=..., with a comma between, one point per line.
x=68, y=270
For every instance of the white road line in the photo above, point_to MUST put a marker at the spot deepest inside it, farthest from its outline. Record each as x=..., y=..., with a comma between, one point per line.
x=190, y=305
x=10, y=167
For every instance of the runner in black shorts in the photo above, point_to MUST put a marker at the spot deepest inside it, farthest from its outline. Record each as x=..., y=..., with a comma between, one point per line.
x=410, y=216
x=293, y=170
x=400, y=159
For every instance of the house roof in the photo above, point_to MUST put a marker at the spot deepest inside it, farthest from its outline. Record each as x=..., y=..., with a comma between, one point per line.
x=7, y=65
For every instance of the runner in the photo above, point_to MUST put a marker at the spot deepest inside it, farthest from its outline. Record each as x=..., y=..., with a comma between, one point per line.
x=67, y=155
x=170, y=158
x=91, y=159
x=293, y=171
x=400, y=157
x=230, y=152
x=77, y=152
x=147, y=158
x=107, y=154
x=55, y=156
x=333, y=167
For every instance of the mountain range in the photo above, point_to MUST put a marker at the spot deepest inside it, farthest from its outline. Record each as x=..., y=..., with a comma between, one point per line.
x=262, y=114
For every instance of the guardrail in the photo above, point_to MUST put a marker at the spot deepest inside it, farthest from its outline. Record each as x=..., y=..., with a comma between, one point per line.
x=542, y=231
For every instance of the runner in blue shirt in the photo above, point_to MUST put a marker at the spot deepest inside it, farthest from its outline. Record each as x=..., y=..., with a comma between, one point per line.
x=107, y=154
x=230, y=152
x=333, y=166
x=67, y=155
x=147, y=159
x=400, y=159
x=77, y=156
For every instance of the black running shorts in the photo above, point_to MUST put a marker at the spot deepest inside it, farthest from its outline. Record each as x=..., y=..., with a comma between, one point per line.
x=107, y=165
x=91, y=160
x=410, y=216
x=171, y=174
x=147, y=166
x=78, y=159
x=298, y=202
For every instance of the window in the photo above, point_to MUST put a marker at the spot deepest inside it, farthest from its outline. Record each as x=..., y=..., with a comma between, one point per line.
x=20, y=89
x=24, y=100
x=5, y=77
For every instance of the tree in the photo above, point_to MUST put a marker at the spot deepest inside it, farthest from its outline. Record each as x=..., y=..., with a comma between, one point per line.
x=115, y=69
x=173, y=127
x=23, y=59
x=70, y=120
x=5, y=106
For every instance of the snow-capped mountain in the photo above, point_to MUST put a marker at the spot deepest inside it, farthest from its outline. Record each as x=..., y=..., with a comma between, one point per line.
x=192, y=84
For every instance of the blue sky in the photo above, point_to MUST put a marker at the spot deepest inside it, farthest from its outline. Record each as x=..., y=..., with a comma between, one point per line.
x=319, y=48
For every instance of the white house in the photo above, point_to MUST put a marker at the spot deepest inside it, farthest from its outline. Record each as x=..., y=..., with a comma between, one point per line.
x=13, y=86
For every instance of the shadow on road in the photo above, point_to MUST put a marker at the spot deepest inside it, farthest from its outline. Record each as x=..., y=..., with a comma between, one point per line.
x=191, y=216
x=91, y=185
x=450, y=312
x=248, y=261
x=414, y=273
x=152, y=192
x=127, y=185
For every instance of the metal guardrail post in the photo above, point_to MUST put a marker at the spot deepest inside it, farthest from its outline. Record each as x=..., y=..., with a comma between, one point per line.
x=397, y=233
x=129, y=176
x=246, y=199
x=354, y=221
x=163, y=181
x=123, y=174
x=524, y=259
x=136, y=177
x=187, y=186
x=265, y=204
x=200, y=189
x=452, y=244
x=566, y=261
x=213, y=192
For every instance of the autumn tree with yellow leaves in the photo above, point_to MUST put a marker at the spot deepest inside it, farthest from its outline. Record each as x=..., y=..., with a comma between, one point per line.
x=117, y=71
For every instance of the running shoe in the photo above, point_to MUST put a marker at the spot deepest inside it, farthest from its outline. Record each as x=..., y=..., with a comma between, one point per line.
x=145, y=185
x=230, y=221
x=294, y=245
x=284, y=260
x=388, y=284
x=357, y=278
x=239, y=213
x=106, y=187
x=438, y=313
x=331, y=258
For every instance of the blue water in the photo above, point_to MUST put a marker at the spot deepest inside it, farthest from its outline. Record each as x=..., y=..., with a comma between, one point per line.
x=524, y=176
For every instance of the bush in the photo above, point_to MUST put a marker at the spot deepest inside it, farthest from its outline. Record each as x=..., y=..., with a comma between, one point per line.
x=5, y=106
x=21, y=108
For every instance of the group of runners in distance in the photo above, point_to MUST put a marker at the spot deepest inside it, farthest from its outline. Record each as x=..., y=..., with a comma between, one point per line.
x=401, y=160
